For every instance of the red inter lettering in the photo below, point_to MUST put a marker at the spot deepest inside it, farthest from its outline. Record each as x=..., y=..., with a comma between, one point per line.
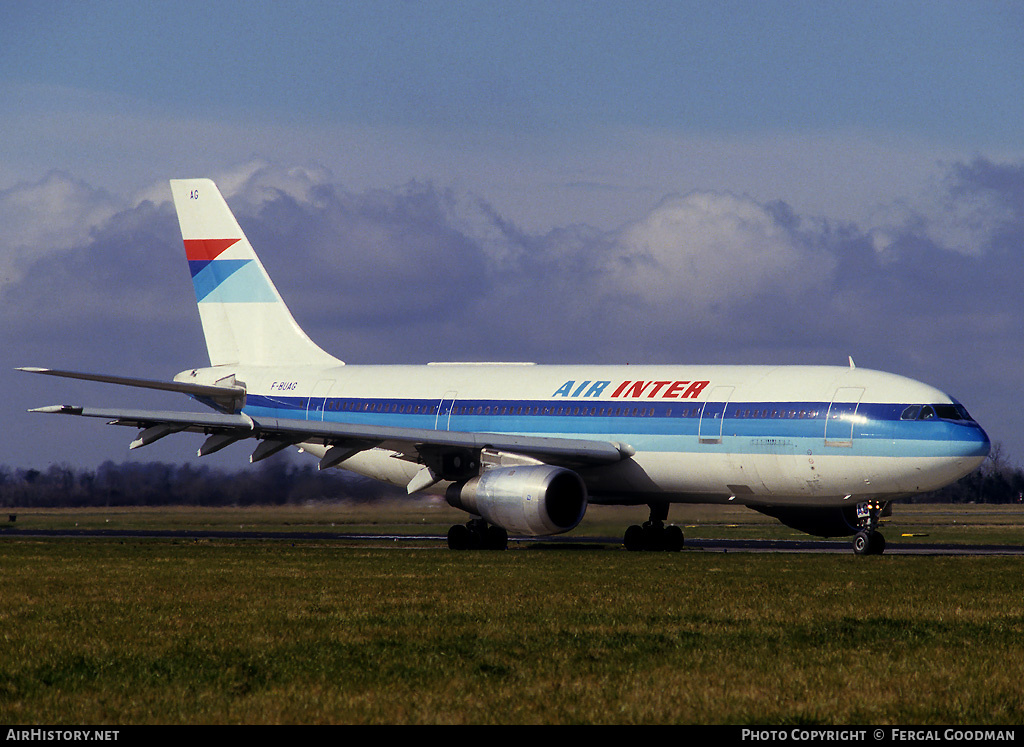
x=657, y=386
x=622, y=386
x=695, y=389
x=673, y=391
x=637, y=389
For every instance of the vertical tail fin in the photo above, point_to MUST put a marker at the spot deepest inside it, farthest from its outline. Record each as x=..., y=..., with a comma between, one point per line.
x=244, y=318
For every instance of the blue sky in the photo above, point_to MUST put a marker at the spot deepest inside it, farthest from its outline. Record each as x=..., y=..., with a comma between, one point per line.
x=944, y=71
x=861, y=165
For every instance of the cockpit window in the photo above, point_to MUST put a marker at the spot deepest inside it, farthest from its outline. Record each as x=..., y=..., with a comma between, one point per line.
x=931, y=412
x=963, y=413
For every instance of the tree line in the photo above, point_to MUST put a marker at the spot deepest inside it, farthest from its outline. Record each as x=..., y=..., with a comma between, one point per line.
x=995, y=481
x=279, y=481
x=273, y=482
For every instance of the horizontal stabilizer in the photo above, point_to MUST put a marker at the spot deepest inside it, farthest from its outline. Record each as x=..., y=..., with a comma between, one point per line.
x=218, y=393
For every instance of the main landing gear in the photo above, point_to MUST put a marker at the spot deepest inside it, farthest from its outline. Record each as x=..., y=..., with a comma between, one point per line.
x=654, y=535
x=869, y=541
x=477, y=534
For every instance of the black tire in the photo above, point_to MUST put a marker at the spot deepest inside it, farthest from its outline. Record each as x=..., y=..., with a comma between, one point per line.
x=654, y=537
x=633, y=539
x=673, y=538
x=862, y=544
x=497, y=538
x=876, y=544
x=459, y=538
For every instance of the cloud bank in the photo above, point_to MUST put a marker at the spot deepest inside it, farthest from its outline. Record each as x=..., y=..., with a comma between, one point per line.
x=427, y=272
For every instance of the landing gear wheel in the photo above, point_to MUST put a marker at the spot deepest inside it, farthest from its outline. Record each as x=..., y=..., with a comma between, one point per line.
x=495, y=538
x=861, y=544
x=477, y=534
x=673, y=538
x=876, y=544
x=459, y=537
x=654, y=535
x=869, y=543
x=633, y=539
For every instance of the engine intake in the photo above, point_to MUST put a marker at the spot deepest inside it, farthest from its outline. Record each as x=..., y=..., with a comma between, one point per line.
x=533, y=500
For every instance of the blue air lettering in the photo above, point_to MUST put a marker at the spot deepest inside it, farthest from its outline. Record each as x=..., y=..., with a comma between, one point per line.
x=572, y=389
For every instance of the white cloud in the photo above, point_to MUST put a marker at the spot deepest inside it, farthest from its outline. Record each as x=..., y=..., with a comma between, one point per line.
x=708, y=248
x=50, y=215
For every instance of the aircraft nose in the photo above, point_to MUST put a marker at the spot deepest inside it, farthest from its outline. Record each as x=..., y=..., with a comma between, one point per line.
x=973, y=444
x=984, y=444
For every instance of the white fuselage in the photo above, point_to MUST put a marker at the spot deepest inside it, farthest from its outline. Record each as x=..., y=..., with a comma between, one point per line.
x=782, y=435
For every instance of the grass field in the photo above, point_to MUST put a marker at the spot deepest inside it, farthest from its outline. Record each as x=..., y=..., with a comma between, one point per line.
x=216, y=631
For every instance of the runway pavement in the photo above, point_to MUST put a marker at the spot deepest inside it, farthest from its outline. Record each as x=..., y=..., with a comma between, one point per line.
x=893, y=547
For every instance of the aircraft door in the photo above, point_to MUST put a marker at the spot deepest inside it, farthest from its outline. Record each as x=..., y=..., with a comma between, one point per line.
x=318, y=400
x=444, y=411
x=842, y=416
x=712, y=417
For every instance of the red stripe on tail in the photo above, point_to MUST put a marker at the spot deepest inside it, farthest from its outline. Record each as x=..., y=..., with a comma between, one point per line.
x=207, y=249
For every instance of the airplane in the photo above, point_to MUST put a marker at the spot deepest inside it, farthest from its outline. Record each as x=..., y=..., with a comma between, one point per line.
x=525, y=448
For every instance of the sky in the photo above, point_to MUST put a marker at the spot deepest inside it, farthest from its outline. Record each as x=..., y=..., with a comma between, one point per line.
x=599, y=182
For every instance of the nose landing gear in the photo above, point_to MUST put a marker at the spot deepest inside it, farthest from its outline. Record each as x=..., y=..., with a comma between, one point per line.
x=869, y=541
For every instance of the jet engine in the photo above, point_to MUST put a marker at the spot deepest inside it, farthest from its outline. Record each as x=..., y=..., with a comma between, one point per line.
x=533, y=500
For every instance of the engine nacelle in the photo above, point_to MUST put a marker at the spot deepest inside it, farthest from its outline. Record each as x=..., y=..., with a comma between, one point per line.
x=533, y=500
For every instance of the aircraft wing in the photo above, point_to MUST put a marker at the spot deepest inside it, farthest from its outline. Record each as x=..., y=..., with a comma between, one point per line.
x=345, y=439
